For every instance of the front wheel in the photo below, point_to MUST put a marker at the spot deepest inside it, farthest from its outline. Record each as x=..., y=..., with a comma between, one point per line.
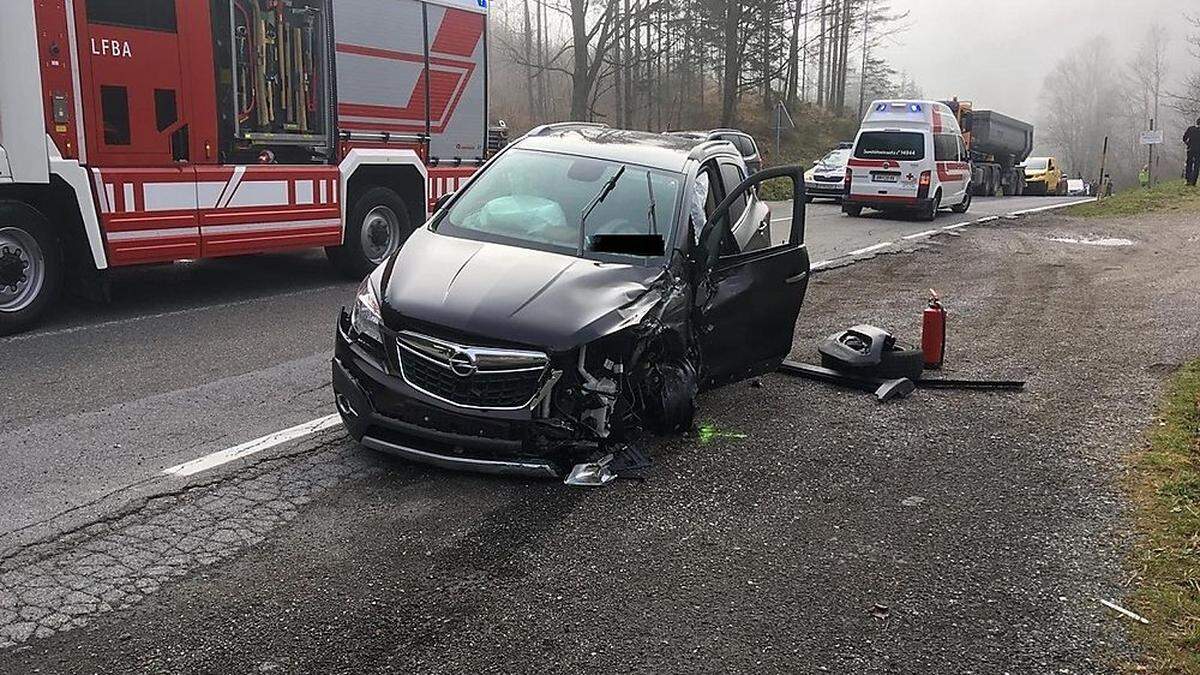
x=852, y=210
x=30, y=267
x=965, y=205
x=377, y=226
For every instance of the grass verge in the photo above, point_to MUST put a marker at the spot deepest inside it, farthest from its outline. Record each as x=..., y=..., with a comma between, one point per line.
x=1166, y=196
x=1166, y=489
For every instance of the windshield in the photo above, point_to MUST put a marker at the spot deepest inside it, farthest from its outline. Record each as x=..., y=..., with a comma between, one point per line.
x=1037, y=164
x=836, y=159
x=539, y=199
x=901, y=145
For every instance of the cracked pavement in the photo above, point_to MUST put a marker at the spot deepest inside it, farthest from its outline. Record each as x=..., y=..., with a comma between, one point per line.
x=951, y=532
x=111, y=564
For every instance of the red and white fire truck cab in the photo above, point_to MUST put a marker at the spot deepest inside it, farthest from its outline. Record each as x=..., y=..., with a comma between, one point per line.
x=150, y=131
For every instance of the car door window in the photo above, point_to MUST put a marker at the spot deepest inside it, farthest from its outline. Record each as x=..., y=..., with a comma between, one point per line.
x=752, y=227
x=705, y=196
x=732, y=176
x=945, y=148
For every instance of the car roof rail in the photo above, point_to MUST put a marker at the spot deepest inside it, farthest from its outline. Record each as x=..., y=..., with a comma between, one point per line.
x=563, y=126
x=702, y=149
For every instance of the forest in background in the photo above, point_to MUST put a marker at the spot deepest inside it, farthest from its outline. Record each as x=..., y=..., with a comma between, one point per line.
x=1107, y=88
x=649, y=64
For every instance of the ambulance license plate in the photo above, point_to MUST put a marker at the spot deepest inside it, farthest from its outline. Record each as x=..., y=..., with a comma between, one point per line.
x=885, y=177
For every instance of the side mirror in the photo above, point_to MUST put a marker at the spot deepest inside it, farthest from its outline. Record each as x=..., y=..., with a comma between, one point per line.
x=441, y=201
x=716, y=226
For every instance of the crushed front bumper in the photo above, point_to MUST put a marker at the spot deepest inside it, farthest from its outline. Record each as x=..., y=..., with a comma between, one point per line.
x=383, y=412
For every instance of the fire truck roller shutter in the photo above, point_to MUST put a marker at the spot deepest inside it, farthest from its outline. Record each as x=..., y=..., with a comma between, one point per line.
x=457, y=84
x=383, y=200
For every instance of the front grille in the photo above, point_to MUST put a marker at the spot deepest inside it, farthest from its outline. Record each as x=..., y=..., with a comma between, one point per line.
x=830, y=179
x=472, y=377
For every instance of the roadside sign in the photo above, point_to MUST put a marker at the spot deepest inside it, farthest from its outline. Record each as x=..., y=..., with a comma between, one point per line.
x=1152, y=137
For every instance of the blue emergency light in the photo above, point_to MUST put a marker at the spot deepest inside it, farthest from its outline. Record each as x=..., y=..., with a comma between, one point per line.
x=914, y=107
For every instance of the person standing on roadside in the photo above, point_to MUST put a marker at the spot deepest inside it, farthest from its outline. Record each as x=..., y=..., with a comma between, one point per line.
x=1191, y=138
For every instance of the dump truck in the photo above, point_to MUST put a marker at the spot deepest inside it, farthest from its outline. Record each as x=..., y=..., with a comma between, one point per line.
x=997, y=145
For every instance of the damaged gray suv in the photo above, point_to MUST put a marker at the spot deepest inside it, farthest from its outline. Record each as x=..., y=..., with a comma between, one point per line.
x=582, y=288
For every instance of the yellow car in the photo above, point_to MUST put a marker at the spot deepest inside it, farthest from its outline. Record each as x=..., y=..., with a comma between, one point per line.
x=1044, y=176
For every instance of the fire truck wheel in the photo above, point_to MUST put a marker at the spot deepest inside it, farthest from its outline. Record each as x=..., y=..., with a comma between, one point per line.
x=30, y=266
x=377, y=226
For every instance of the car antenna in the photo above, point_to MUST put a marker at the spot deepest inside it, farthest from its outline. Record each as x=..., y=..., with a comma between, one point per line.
x=600, y=197
x=652, y=215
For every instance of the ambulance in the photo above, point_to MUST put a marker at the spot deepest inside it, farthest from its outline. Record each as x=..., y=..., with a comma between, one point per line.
x=909, y=157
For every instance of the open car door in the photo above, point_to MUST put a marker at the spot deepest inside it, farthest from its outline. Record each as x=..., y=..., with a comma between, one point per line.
x=751, y=287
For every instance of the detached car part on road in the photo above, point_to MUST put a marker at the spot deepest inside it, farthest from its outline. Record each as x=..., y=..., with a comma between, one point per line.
x=583, y=287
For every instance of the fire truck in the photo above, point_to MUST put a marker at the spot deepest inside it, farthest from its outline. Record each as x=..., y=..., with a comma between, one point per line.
x=135, y=132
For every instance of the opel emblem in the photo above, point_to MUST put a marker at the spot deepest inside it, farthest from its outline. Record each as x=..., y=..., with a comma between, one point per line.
x=463, y=364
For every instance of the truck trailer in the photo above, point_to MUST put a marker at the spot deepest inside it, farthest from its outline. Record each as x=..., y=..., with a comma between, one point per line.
x=148, y=131
x=997, y=145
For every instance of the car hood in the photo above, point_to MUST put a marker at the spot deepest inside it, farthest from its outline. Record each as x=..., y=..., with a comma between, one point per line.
x=513, y=294
x=828, y=170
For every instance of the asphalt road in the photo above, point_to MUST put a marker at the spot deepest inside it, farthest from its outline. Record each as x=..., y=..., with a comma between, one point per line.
x=830, y=234
x=191, y=359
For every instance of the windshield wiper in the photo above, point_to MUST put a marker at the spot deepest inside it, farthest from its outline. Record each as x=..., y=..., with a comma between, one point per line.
x=607, y=188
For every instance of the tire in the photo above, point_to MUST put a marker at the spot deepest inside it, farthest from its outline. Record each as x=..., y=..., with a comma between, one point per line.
x=852, y=210
x=930, y=214
x=377, y=226
x=908, y=363
x=31, y=267
x=965, y=205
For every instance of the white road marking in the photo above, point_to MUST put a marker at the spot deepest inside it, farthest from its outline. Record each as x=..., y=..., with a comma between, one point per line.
x=253, y=447
x=1052, y=207
x=876, y=247
x=919, y=235
x=160, y=315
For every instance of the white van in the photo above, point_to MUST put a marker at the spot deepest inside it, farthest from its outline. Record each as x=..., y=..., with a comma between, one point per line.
x=908, y=156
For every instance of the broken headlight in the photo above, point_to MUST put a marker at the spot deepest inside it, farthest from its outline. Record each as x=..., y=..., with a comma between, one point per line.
x=365, y=318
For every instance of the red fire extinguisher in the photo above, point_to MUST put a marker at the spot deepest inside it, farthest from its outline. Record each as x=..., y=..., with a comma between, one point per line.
x=933, y=332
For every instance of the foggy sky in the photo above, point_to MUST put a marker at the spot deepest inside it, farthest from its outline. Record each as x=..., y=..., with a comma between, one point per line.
x=997, y=52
